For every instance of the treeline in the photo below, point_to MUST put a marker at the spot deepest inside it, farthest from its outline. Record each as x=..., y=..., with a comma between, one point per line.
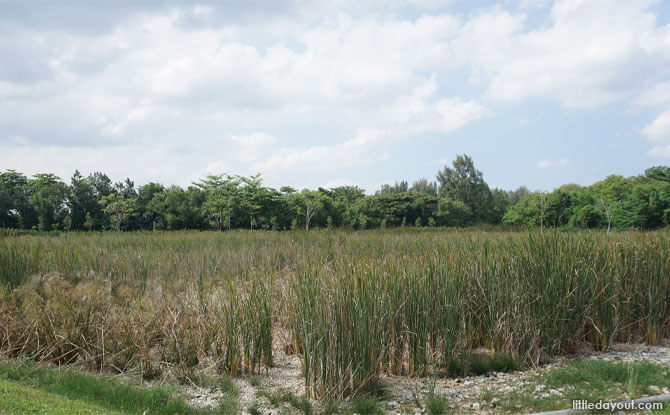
x=458, y=197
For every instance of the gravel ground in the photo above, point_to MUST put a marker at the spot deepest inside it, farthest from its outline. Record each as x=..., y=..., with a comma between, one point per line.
x=464, y=395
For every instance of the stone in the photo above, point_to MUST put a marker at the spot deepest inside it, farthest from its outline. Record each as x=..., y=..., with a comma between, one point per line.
x=540, y=388
x=407, y=395
x=495, y=402
x=554, y=392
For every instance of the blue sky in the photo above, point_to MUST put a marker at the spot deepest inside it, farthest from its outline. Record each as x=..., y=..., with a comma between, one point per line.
x=310, y=94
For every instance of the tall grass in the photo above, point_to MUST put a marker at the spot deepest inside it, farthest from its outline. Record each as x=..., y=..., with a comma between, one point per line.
x=353, y=305
x=16, y=264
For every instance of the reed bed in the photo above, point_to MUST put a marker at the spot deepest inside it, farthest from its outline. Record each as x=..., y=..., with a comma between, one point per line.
x=352, y=305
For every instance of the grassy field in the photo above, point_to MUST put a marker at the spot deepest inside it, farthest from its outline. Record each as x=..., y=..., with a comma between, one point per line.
x=27, y=387
x=19, y=399
x=351, y=305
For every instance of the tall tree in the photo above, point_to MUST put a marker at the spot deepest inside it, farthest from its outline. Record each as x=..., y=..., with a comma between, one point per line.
x=147, y=217
x=465, y=183
x=48, y=195
x=398, y=187
x=82, y=202
x=307, y=204
x=252, y=194
x=221, y=193
x=118, y=207
x=17, y=210
x=423, y=186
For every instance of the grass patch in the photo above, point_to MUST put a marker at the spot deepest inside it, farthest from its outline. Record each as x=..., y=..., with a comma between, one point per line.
x=227, y=386
x=436, y=405
x=255, y=381
x=229, y=403
x=94, y=390
x=16, y=398
x=366, y=405
x=276, y=398
x=330, y=407
x=587, y=379
x=254, y=409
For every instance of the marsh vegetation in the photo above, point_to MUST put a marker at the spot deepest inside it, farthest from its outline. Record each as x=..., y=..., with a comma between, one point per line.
x=351, y=305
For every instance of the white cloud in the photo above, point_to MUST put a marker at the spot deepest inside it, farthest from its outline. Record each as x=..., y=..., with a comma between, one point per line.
x=250, y=146
x=660, y=151
x=409, y=115
x=142, y=163
x=234, y=95
x=552, y=163
x=420, y=112
x=659, y=129
x=659, y=94
x=362, y=149
x=592, y=53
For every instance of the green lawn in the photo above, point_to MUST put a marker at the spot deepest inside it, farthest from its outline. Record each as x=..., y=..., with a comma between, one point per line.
x=16, y=398
x=28, y=387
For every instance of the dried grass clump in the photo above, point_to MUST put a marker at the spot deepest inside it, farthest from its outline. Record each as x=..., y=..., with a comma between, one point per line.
x=125, y=328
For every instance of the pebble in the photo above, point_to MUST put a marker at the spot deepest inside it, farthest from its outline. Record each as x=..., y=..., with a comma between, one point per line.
x=408, y=395
x=465, y=394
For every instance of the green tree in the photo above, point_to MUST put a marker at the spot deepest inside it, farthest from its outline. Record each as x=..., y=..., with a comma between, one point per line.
x=118, y=208
x=80, y=199
x=394, y=189
x=452, y=213
x=148, y=218
x=465, y=183
x=307, y=204
x=176, y=208
x=16, y=208
x=102, y=186
x=221, y=193
x=660, y=173
x=251, y=195
x=48, y=195
x=530, y=211
x=516, y=195
x=423, y=186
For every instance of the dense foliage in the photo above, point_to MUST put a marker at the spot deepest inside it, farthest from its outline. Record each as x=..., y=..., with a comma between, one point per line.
x=459, y=197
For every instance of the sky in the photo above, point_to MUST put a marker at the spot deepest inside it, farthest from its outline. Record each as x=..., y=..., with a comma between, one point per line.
x=323, y=94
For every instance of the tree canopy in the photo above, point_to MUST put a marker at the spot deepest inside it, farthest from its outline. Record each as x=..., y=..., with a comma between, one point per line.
x=459, y=196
